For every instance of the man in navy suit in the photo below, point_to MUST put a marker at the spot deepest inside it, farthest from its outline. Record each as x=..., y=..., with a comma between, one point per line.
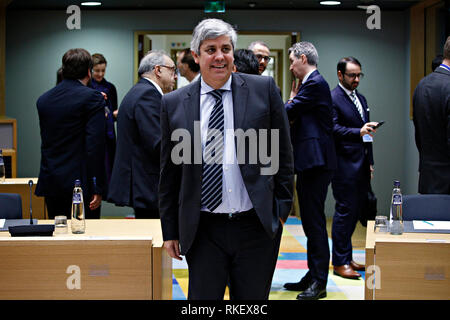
x=135, y=175
x=72, y=123
x=310, y=114
x=226, y=217
x=431, y=103
x=353, y=140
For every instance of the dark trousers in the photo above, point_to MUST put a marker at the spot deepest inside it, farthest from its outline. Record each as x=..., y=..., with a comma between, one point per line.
x=312, y=188
x=238, y=252
x=62, y=206
x=350, y=196
x=140, y=213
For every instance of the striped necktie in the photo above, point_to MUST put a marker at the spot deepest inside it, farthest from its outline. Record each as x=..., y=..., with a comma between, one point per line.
x=357, y=104
x=213, y=155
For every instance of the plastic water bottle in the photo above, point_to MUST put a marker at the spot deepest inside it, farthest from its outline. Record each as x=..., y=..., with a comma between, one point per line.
x=396, y=210
x=78, y=221
x=2, y=168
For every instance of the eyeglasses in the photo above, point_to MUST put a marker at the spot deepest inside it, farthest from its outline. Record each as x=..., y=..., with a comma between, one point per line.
x=354, y=75
x=261, y=57
x=174, y=69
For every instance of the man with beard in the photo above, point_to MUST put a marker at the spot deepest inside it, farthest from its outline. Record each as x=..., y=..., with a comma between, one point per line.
x=353, y=140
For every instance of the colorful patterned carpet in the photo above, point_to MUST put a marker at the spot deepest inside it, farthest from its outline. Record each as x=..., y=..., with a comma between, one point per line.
x=291, y=266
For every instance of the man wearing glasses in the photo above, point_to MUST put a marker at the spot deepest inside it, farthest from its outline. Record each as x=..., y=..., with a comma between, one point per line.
x=262, y=52
x=353, y=140
x=135, y=175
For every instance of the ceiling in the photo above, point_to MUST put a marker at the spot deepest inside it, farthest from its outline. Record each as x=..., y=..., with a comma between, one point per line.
x=199, y=4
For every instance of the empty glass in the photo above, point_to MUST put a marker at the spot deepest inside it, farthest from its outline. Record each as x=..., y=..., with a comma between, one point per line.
x=60, y=224
x=381, y=224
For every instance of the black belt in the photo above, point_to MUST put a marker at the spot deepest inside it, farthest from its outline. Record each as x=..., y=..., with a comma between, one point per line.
x=230, y=216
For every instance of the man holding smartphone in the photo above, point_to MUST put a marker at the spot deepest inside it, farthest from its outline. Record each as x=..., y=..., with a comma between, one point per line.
x=353, y=136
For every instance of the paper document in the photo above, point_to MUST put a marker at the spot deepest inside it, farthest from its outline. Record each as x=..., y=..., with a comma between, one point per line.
x=431, y=225
x=2, y=222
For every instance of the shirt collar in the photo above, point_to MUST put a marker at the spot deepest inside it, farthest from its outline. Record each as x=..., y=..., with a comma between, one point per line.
x=305, y=78
x=155, y=84
x=205, y=88
x=196, y=77
x=348, y=92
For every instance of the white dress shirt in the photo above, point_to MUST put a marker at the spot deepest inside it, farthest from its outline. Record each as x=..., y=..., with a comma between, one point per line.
x=155, y=84
x=234, y=194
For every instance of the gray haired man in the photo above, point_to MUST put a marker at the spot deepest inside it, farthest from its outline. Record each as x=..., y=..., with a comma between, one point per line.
x=135, y=175
x=262, y=53
x=226, y=217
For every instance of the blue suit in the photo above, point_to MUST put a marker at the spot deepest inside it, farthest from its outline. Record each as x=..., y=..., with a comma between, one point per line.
x=72, y=127
x=310, y=115
x=352, y=178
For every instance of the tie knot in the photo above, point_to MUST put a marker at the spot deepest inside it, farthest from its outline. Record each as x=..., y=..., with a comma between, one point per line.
x=217, y=94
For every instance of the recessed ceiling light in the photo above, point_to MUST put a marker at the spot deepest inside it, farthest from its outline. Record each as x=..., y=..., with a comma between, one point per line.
x=330, y=3
x=362, y=7
x=91, y=3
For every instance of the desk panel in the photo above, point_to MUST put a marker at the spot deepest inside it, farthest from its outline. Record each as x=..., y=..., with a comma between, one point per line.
x=118, y=259
x=69, y=270
x=413, y=271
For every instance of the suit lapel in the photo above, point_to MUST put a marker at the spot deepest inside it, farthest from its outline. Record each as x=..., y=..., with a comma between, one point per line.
x=239, y=91
x=192, y=106
x=351, y=105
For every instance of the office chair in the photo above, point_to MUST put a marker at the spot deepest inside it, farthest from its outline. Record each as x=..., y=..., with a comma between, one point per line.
x=426, y=207
x=10, y=206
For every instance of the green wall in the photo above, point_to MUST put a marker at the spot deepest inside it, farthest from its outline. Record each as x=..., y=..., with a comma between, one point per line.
x=36, y=41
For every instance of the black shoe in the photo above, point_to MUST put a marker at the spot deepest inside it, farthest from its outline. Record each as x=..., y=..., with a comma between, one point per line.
x=315, y=291
x=302, y=285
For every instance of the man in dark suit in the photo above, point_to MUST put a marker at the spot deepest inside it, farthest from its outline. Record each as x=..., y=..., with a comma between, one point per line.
x=350, y=183
x=431, y=114
x=135, y=176
x=72, y=123
x=310, y=113
x=226, y=214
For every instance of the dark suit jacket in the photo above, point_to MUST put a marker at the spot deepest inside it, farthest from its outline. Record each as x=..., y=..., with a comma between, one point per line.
x=431, y=114
x=310, y=114
x=353, y=155
x=256, y=104
x=72, y=123
x=135, y=176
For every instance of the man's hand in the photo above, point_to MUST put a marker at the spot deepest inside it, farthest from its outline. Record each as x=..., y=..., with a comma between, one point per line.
x=368, y=129
x=371, y=171
x=96, y=201
x=173, y=248
x=295, y=88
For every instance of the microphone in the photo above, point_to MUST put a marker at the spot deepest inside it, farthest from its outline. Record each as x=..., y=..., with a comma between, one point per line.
x=30, y=184
x=31, y=230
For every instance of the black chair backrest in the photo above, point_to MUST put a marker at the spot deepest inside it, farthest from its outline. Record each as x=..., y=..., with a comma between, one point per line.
x=426, y=207
x=10, y=206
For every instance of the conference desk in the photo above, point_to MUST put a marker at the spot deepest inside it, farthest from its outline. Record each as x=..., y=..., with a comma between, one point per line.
x=20, y=186
x=116, y=259
x=411, y=266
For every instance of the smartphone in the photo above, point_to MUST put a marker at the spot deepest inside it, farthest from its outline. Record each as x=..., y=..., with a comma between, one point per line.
x=379, y=124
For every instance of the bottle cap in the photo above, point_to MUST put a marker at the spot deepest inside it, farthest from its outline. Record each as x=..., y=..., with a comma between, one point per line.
x=396, y=183
x=77, y=183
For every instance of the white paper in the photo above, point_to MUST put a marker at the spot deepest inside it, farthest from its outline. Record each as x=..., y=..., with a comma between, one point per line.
x=431, y=225
x=2, y=222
